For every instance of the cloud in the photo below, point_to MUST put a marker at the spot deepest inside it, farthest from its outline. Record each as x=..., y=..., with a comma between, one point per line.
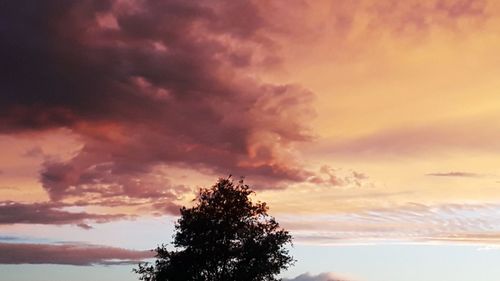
x=327, y=276
x=71, y=254
x=8, y=188
x=344, y=26
x=329, y=176
x=148, y=84
x=49, y=213
x=422, y=223
x=429, y=139
x=488, y=239
x=411, y=16
x=34, y=152
x=8, y=238
x=455, y=174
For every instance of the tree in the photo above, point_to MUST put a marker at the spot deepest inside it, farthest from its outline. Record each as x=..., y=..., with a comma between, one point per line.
x=223, y=237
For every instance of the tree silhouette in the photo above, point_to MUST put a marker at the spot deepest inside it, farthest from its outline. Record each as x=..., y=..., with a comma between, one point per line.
x=223, y=237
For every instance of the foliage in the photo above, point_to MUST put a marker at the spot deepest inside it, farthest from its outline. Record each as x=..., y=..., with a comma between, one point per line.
x=224, y=237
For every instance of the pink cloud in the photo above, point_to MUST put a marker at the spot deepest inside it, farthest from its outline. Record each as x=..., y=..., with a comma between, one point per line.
x=149, y=84
x=73, y=254
x=49, y=213
x=411, y=222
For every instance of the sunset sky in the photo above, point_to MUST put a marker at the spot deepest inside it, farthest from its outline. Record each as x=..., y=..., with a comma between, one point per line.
x=371, y=128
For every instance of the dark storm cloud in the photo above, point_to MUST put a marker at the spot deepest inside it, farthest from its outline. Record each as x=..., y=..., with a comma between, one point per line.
x=48, y=213
x=145, y=84
x=72, y=254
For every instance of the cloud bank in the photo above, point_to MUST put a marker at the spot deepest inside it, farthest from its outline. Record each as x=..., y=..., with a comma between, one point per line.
x=71, y=254
x=49, y=213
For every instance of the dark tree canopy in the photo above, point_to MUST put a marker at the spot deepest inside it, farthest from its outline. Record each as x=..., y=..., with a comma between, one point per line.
x=223, y=237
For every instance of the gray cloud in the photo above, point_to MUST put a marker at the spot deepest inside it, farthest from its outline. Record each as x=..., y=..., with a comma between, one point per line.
x=327, y=276
x=49, y=213
x=72, y=254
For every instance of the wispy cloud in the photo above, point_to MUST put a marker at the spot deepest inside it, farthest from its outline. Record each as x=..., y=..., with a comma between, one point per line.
x=458, y=223
x=49, y=213
x=72, y=254
x=9, y=238
x=327, y=276
x=456, y=174
x=422, y=139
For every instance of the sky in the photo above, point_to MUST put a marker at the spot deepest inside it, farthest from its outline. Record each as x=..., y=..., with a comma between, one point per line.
x=369, y=127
